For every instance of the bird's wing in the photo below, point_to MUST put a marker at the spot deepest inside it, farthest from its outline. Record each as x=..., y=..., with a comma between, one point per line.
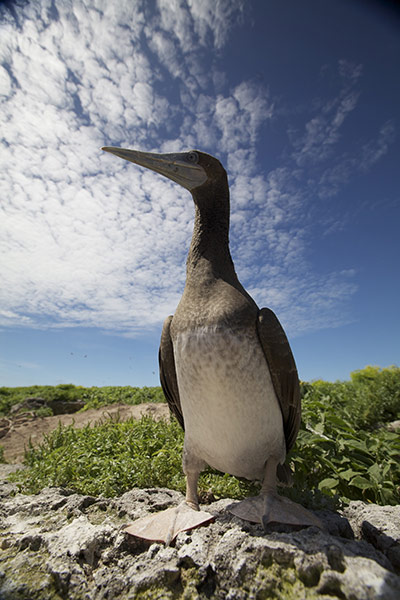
x=283, y=372
x=169, y=382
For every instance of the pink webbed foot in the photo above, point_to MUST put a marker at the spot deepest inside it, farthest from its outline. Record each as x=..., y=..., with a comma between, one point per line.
x=164, y=526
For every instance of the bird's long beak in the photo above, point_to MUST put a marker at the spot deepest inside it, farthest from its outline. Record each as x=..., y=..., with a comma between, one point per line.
x=180, y=167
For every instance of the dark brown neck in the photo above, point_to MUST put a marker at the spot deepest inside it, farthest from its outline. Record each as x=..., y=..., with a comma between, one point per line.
x=209, y=256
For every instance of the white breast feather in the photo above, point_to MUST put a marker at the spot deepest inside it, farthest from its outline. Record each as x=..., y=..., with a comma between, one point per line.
x=232, y=417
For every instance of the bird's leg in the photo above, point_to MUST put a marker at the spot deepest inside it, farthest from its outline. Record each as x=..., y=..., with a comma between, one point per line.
x=192, y=467
x=192, y=498
x=269, y=481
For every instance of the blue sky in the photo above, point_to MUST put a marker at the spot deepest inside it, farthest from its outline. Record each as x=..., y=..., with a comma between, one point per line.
x=301, y=103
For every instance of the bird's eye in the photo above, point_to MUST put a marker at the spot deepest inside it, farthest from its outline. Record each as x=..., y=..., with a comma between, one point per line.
x=192, y=157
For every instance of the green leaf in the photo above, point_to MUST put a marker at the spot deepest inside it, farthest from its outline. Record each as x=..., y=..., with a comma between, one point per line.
x=362, y=460
x=339, y=422
x=376, y=472
x=328, y=483
x=348, y=474
x=361, y=482
x=389, y=435
x=357, y=445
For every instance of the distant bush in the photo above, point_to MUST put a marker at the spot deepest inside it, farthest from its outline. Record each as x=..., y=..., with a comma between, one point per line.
x=370, y=398
x=377, y=396
x=94, y=397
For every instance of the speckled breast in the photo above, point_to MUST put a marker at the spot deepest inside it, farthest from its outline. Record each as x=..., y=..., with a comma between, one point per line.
x=232, y=416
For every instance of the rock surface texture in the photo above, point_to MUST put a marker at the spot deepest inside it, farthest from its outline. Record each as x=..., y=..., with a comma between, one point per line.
x=59, y=544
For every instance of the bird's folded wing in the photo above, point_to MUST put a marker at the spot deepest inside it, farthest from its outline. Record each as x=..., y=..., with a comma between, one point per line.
x=283, y=372
x=169, y=382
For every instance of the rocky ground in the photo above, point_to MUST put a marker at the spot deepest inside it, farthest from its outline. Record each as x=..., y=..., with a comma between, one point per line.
x=62, y=545
x=58, y=544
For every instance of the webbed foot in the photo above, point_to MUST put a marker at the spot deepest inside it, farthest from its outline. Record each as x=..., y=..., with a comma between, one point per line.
x=272, y=508
x=164, y=526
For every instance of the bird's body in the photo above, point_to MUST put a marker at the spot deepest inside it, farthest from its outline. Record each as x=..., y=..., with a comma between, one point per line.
x=226, y=367
x=232, y=417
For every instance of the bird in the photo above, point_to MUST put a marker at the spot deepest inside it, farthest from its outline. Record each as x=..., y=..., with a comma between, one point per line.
x=226, y=367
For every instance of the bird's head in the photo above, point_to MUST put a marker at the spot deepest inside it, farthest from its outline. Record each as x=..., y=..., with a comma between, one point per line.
x=192, y=169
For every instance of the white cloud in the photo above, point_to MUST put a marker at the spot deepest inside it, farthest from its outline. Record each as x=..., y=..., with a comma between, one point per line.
x=92, y=240
x=373, y=150
x=307, y=302
x=175, y=19
x=349, y=70
x=214, y=19
x=334, y=176
x=166, y=51
x=323, y=131
x=5, y=82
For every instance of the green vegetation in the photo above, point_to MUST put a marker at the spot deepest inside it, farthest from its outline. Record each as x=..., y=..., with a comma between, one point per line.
x=343, y=452
x=113, y=457
x=370, y=398
x=343, y=448
x=94, y=397
x=107, y=459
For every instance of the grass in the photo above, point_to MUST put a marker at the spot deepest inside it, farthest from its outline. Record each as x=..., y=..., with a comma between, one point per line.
x=343, y=451
x=114, y=457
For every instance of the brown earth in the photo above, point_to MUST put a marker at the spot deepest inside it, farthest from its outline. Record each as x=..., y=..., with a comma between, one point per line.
x=15, y=432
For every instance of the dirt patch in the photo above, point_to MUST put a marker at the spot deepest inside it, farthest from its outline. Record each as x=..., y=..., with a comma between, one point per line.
x=17, y=433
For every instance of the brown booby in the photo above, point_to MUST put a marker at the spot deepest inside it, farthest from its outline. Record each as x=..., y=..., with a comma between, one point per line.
x=226, y=367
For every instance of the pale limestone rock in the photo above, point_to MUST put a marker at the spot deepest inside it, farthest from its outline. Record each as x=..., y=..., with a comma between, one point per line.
x=59, y=544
